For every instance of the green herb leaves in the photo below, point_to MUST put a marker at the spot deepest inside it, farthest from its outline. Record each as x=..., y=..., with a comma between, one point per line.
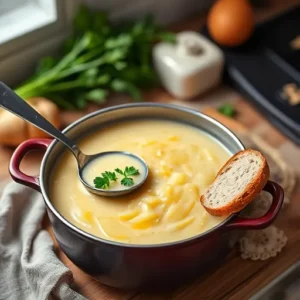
x=227, y=110
x=97, y=59
x=131, y=171
x=104, y=181
x=127, y=181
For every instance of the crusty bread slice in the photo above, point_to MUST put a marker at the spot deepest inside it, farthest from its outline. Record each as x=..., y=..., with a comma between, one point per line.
x=239, y=181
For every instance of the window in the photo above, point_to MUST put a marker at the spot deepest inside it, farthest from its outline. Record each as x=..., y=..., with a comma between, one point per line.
x=30, y=29
x=19, y=17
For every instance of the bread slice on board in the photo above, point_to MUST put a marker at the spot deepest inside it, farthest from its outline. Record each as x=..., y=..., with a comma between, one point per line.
x=239, y=181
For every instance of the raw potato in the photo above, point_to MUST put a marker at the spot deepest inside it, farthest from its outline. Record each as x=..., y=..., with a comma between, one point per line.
x=14, y=130
x=48, y=110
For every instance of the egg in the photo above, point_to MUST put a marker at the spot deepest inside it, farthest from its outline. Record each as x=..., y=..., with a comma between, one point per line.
x=231, y=22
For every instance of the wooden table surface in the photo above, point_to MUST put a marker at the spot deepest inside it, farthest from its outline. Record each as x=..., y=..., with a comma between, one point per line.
x=235, y=278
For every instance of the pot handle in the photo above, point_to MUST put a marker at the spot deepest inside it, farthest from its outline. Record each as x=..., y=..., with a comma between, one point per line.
x=18, y=155
x=262, y=222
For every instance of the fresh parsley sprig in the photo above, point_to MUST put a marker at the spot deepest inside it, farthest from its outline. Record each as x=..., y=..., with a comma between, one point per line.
x=129, y=171
x=104, y=181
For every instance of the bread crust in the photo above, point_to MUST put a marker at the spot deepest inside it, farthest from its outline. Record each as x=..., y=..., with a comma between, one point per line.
x=253, y=188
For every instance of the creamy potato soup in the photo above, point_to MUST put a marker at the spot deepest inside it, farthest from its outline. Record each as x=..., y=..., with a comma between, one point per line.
x=182, y=162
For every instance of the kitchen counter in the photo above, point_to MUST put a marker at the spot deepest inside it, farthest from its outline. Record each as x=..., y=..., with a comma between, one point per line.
x=235, y=278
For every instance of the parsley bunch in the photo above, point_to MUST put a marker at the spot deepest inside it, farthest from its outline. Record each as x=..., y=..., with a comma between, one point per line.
x=104, y=181
x=99, y=57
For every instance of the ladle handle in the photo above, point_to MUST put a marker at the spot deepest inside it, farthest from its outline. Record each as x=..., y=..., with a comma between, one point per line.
x=10, y=101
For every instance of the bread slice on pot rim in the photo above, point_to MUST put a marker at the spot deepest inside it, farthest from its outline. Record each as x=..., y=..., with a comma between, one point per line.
x=238, y=182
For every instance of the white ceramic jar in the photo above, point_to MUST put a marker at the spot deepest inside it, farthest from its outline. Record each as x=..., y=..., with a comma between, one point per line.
x=189, y=67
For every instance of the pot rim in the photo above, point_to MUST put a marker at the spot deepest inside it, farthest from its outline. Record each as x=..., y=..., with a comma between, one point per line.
x=119, y=244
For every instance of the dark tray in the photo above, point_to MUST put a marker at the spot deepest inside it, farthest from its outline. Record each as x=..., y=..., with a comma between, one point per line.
x=261, y=67
x=282, y=287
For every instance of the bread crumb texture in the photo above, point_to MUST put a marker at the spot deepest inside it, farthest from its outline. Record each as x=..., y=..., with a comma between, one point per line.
x=233, y=180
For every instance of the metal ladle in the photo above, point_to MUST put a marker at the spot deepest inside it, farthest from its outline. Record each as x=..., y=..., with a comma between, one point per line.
x=16, y=105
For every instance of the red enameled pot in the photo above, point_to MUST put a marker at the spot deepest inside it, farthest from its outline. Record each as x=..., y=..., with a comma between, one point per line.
x=141, y=266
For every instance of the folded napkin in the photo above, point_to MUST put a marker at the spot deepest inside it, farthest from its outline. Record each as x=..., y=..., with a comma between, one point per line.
x=29, y=268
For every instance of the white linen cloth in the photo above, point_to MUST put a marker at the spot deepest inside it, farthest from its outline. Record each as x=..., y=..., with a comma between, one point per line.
x=29, y=267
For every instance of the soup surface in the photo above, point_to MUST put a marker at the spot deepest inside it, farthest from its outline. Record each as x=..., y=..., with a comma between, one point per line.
x=182, y=161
